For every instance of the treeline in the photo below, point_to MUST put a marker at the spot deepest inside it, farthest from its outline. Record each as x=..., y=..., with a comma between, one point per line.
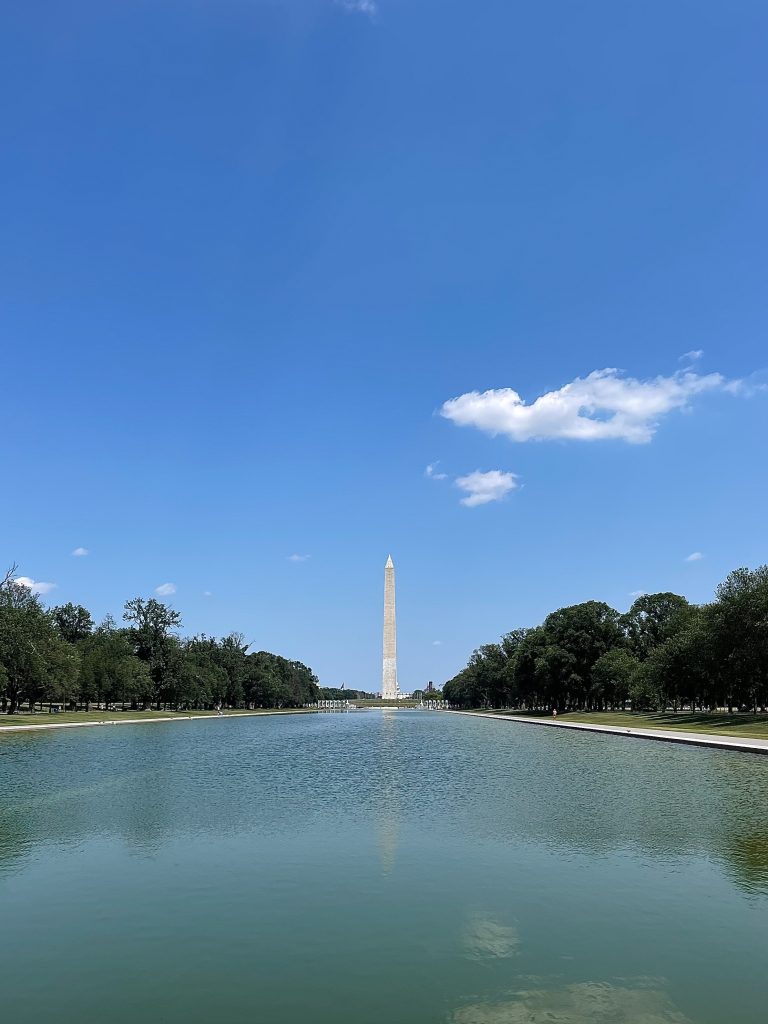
x=662, y=653
x=342, y=693
x=60, y=655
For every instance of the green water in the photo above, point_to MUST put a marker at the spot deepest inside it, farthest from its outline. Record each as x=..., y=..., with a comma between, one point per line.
x=362, y=868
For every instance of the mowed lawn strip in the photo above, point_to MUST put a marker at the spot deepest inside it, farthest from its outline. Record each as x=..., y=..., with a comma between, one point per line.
x=722, y=724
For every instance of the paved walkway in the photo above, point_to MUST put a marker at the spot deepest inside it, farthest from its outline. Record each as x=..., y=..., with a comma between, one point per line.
x=179, y=717
x=698, y=739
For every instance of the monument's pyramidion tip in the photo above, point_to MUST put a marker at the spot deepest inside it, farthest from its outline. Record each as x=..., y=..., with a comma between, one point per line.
x=390, y=564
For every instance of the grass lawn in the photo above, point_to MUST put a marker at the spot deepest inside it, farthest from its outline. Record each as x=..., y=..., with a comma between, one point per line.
x=64, y=717
x=737, y=724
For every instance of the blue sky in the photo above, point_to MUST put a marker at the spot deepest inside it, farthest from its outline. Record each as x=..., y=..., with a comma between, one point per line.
x=252, y=249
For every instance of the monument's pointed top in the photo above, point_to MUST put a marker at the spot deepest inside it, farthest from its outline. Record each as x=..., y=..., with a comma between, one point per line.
x=390, y=564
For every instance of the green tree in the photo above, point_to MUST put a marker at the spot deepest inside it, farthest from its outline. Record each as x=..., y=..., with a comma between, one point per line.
x=460, y=691
x=62, y=670
x=73, y=622
x=34, y=657
x=527, y=678
x=273, y=681
x=556, y=676
x=612, y=676
x=653, y=619
x=231, y=659
x=152, y=635
x=338, y=693
x=580, y=634
x=488, y=671
x=110, y=671
x=58, y=655
x=738, y=623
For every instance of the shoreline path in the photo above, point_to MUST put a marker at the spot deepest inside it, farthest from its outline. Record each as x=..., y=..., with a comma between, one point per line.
x=698, y=739
x=178, y=717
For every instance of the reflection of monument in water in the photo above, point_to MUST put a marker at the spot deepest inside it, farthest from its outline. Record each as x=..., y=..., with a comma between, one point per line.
x=388, y=796
x=389, y=687
x=389, y=808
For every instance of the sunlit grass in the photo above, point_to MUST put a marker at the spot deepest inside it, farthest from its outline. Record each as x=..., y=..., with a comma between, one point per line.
x=718, y=724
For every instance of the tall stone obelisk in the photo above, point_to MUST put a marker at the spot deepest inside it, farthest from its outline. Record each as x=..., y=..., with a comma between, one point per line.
x=389, y=672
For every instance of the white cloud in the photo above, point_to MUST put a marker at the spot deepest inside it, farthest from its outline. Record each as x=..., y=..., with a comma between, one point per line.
x=693, y=356
x=361, y=6
x=437, y=643
x=80, y=552
x=482, y=487
x=637, y=593
x=36, y=586
x=299, y=558
x=431, y=472
x=603, y=405
x=207, y=593
x=165, y=589
x=488, y=939
x=695, y=556
x=637, y=1000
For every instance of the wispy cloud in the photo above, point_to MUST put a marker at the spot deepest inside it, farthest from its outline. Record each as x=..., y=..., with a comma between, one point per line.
x=165, y=589
x=36, y=586
x=603, y=405
x=299, y=558
x=437, y=643
x=637, y=593
x=360, y=6
x=207, y=593
x=693, y=356
x=695, y=556
x=432, y=473
x=80, y=552
x=482, y=488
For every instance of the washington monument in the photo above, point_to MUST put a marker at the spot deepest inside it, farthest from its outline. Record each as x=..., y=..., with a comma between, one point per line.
x=389, y=689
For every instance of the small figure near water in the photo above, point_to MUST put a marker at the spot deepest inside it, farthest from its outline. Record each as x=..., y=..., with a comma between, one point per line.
x=554, y=712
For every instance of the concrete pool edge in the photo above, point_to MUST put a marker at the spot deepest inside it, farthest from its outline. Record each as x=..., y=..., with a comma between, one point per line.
x=749, y=746
x=179, y=717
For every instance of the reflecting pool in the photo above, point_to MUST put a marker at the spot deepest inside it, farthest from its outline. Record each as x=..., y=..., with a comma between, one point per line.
x=406, y=867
